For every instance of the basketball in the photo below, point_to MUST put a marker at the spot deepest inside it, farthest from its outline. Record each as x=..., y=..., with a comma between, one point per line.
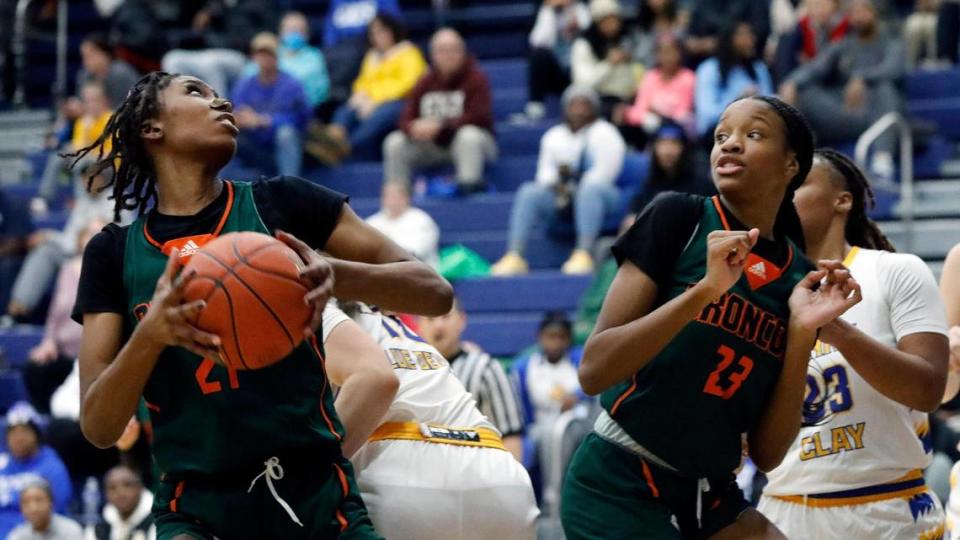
x=250, y=282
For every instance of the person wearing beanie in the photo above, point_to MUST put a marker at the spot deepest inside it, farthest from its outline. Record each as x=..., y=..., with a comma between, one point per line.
x=577, y=171
x=27, y=460
x=601, y=57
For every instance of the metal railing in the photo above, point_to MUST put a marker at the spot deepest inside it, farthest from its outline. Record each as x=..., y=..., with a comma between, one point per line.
x=19, y=49
x=907, y=189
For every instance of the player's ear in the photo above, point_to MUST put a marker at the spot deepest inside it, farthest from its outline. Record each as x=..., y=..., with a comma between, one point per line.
x=793, y=166
x=151, y=130
x=844, y=202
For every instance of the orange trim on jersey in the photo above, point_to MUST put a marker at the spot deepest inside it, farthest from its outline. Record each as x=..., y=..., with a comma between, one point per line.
x=177, y=492
x=623, y=396
x=323, y=410
x=345, y=487
x=649, y=476
x=830, y=502
x=848, y=260
x=151, y=406
x=432, y=433
x=719, y=207
x=216, y=231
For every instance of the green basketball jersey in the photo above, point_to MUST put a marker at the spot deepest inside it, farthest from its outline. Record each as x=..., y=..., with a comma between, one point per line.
x=211, y=420
x=691, y=403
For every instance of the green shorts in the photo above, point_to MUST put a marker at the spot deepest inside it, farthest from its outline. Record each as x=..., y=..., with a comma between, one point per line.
x=322, y=495
x=610, y=492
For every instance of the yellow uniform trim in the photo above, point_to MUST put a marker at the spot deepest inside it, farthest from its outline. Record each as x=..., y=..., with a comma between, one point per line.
x=828, y=502
x=412, y=431
x=848, y=260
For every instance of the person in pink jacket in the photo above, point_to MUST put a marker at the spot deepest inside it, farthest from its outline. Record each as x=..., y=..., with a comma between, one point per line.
x=666, y=91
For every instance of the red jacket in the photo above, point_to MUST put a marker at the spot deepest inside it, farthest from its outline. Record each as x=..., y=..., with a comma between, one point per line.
x=459, y=101
x=809, y=36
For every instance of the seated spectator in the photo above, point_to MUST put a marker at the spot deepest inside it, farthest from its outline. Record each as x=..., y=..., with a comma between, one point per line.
x=852, y=84
x=666, y=93
x=36, y=504
x=50, y=249
x=390, y=70
x=27, y=460
x=482, y=375
x=735, y=72
x=15, y=230
x=546, y=380
x=577, y=172
x=601, y=56
x=673, y=167
x=558, y=23
x=655, y=19
x=52, y=360
x=126, y=516
x=824, y=23
x=100, y=65
x=708, y=19
x=344, y=42
x=271, y=111
x=411, y=228
x=448, y=117
x=920, y=33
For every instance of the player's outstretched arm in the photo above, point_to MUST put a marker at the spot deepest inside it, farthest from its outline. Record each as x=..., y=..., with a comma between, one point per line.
x=950, y=293
x=371, y=268
x=113, y=374
x=367, y=383
x=628, y=335
x=810, y=308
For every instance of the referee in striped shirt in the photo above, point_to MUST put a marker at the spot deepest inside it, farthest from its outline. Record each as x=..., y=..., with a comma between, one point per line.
x=482, y=375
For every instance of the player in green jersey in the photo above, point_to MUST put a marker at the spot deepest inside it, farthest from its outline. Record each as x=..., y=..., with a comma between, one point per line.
x=254, y=454
x=703, y=343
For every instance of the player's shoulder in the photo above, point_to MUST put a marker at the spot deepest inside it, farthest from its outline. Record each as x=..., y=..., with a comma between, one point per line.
x=889, y=263
x=676, y=201
x=285, y=186
x=110, y=239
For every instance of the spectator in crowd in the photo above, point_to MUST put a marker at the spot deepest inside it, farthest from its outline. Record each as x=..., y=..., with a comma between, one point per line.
x=666, y=92
x=302, y=60
x=94, y=115
x=546, y=380
x=673, y=167
x=36, y=504
x=735, y=72
x=390, y=70
x=655, y=18
x=100, y=65
x=50, y=249
x=601, y=59
x=15, y=229
x=482, y=375
x=411, y=228
x=948, y=31
x=52, y=359
x=271, y=112
x=920, y=33
x=558, y=24
x=344, y=42
x=126, y=516
x=852, y=84
x=27, y=460
x=448, y=117
x=577, y=172
x=709, y=18
x=824, y=23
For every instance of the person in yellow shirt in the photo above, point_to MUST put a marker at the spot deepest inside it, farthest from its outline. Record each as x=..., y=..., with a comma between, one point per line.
x=390, y=69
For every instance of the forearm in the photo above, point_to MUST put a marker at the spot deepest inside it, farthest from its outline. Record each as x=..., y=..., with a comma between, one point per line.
x=404, y=286
x=361, y=410
x=112, y=398
x=514, y=445
x=906, y=378
x=616, y=353
x=780, y=423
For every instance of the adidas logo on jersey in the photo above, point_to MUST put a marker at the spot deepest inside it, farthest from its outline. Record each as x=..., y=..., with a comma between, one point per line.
x=759, y=269
x=189, y=249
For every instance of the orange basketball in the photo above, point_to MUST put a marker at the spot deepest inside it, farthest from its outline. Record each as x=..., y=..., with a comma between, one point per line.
x=254, y=297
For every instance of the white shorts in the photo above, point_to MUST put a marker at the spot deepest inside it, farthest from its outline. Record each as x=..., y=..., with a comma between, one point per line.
x=919, y=517
x=953, y=504
x=417, y=490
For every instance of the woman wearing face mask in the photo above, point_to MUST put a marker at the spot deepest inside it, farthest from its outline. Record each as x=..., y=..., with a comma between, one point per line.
x=302, y=60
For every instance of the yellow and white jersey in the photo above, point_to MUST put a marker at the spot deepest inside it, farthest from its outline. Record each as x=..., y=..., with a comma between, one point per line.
x=429, y=392
x=852, y=435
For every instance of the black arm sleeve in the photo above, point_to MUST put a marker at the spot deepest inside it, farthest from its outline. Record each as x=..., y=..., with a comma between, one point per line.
x=101, y=276
x=657, y=238
x=297, y=206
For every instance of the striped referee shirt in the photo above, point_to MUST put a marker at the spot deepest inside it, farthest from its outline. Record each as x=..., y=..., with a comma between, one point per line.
x=485, y=379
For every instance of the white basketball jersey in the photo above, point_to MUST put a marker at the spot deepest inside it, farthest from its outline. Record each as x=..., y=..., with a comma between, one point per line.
x=429, y=392
x=853, y=436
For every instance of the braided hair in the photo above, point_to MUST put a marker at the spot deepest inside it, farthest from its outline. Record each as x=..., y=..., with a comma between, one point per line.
x=133, y=179
x=860, y=230
x=801, y=140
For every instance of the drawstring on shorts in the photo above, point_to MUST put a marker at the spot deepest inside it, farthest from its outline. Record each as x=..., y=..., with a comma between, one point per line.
x=274, y=471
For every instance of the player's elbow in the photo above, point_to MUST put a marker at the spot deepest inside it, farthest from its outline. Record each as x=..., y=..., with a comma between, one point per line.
x=96, y=432
x=589, y=377
x=386, y=385
x=766, y=461
x=440, y=299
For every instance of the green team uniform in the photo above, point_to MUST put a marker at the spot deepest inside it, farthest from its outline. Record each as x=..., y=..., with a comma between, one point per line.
x=214, y=430
x=671, y=434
